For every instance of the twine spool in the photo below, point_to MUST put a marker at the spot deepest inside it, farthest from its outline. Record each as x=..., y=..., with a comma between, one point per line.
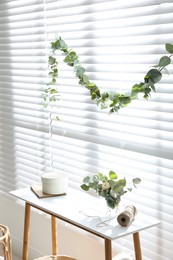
x=125, y=218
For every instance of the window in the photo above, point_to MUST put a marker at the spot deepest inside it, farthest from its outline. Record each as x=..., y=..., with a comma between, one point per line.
x=117, y=42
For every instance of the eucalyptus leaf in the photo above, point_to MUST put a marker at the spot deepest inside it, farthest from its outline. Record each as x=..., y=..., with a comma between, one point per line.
x=79, y=71
x=51, y=60
x=163, y=62
x=113, y=175
x=169, y=47
x=93, y=185
x=112, y=184
x=53, y=91
x=121, y=191
x=63, y=45
x=136, y=89
x=86, y=180
x=119, y=185
x=136, y=180
x=147, y=91
x=153, y=88
x=153, y=76
x=84, y=187
x=100, y=176
x=111, y=204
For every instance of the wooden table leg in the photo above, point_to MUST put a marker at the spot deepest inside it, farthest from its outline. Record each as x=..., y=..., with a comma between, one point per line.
x=54, y=236
x=108, y=249
x=137, y=246
x=26, y=231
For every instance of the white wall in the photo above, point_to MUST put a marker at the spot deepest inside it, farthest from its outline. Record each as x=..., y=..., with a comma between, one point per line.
x=72, y=241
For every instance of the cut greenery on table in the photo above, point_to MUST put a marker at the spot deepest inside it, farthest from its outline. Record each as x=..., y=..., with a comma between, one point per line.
x=109, y=187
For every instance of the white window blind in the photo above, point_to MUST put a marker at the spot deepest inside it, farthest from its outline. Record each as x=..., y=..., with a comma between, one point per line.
x=117, y=42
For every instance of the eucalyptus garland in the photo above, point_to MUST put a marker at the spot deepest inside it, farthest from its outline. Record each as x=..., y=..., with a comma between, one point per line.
x=108, y=99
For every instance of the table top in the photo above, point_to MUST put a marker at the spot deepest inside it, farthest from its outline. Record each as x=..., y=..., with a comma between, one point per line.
x=75, y=209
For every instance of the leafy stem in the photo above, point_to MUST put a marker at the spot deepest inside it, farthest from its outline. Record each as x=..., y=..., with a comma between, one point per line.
x=109, y=99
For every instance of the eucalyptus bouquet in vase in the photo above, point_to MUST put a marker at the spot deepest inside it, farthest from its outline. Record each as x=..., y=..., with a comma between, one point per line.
x=110, y=187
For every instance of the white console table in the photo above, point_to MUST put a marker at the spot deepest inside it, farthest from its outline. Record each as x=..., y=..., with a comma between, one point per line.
x=70, y=208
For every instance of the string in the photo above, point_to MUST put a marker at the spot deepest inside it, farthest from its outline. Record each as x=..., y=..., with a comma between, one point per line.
x=61, y=122
x=49, y=107
x=102, y=223
x=37, y=118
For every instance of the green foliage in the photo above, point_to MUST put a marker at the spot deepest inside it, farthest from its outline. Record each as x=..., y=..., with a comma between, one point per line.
x=106, y=100
x=50, y=95
x=169, y=48
x=163, y=62
x=109, y=187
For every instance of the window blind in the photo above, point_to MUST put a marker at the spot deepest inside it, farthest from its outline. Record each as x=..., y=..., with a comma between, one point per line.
x=117, y=42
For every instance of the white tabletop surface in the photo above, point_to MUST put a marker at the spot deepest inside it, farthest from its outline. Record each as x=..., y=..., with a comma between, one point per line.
x=75, y=209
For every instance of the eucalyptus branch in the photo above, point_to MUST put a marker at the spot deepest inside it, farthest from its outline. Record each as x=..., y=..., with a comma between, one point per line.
x=109, y=99
x=109, y=187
